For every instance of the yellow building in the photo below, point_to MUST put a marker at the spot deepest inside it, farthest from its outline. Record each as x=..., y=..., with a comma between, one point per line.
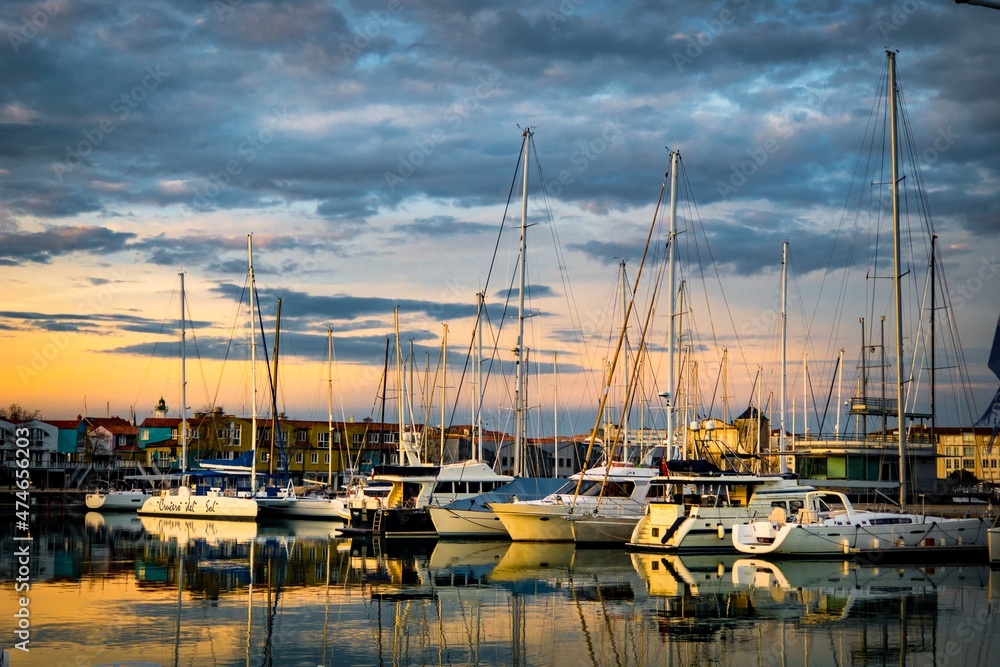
x=967, y=449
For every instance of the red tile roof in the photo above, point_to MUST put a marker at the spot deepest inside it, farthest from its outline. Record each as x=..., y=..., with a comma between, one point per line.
x=70, y=424
x=161, y=422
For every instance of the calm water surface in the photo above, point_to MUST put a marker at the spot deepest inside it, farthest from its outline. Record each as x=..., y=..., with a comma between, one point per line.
x=114, y=589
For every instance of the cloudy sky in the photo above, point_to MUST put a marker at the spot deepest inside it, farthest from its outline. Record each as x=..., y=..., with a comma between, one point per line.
x=370, y=147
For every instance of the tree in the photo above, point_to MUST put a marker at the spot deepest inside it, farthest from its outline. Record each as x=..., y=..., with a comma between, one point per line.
x=15, y=413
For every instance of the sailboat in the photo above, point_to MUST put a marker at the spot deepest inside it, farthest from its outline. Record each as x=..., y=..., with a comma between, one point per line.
x=415, y=486
x=600, y=504
x=322, y=507
x=828, y=524
x=117, y=499
x=200, y=493
x=692, y=508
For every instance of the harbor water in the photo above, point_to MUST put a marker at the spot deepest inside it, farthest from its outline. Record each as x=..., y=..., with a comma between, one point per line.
x=116, y=589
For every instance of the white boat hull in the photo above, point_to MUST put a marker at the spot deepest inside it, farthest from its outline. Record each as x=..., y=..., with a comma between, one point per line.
x=450, y=522
x=181, y=503
x=667, y=526
x=589, y=529
x=330, y=509
x=993, y=545
x=116, y=500
x=795, y=539
x=534, y=523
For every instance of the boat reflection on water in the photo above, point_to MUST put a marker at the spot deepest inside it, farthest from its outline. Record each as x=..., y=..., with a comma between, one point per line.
x=186, y=591
x=884, y=614
x=115, y=523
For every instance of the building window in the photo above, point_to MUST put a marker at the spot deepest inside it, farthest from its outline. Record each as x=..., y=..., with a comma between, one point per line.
x=302, y=435
x=314, y=458
x=373, y=438
x=230, y=436
x=390, y=437
x=144, y=435
x=358, y=439
x=265, y=456
x=326, y=458
x=298, y=457
x=336, y=437
x=323, y=440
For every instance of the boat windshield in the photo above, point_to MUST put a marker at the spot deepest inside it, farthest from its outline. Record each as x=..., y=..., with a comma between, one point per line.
x=589, y=487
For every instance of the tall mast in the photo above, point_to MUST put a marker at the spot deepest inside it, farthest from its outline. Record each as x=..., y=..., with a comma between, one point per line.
x=275, y=423
x=399, y=386
x=519, y=351
x=478, y=406
x=253, y=368
x=625, y=394
x=896, y=280
x=329, y=408
x=782, y=446
x=555, y=416
x=444, y=384
x=840, y=398
x=671, y=302
x=933, y=366
x=183, y=382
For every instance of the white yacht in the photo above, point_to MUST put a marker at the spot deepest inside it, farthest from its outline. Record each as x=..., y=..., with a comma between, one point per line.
x=203, y=494
x=111, y=499
x=829, y=525
x=690, y=511
x=600, y=504
x=416, y=488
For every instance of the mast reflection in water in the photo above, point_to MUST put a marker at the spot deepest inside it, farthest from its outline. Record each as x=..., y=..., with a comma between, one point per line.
x=113, y=588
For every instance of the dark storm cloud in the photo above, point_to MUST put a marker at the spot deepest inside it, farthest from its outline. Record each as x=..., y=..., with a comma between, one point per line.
x=41, y=247
x=344, y=308
x=439, y=226
x=354, y=110
x=88, y=322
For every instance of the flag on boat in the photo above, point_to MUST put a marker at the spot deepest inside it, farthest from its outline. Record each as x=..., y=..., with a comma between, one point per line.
x=991, y=418
x=992, y=415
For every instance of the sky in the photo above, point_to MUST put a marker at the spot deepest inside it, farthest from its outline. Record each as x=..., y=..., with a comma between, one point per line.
x=371, y=148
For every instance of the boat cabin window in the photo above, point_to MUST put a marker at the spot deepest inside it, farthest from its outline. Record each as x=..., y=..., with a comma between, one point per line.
x=618, y=489
x=830, y=502
x=410, y=492
x=568, y=487
x=664, y=491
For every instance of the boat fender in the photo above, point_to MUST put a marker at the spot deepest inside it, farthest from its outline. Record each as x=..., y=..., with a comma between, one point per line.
x=721, y=530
